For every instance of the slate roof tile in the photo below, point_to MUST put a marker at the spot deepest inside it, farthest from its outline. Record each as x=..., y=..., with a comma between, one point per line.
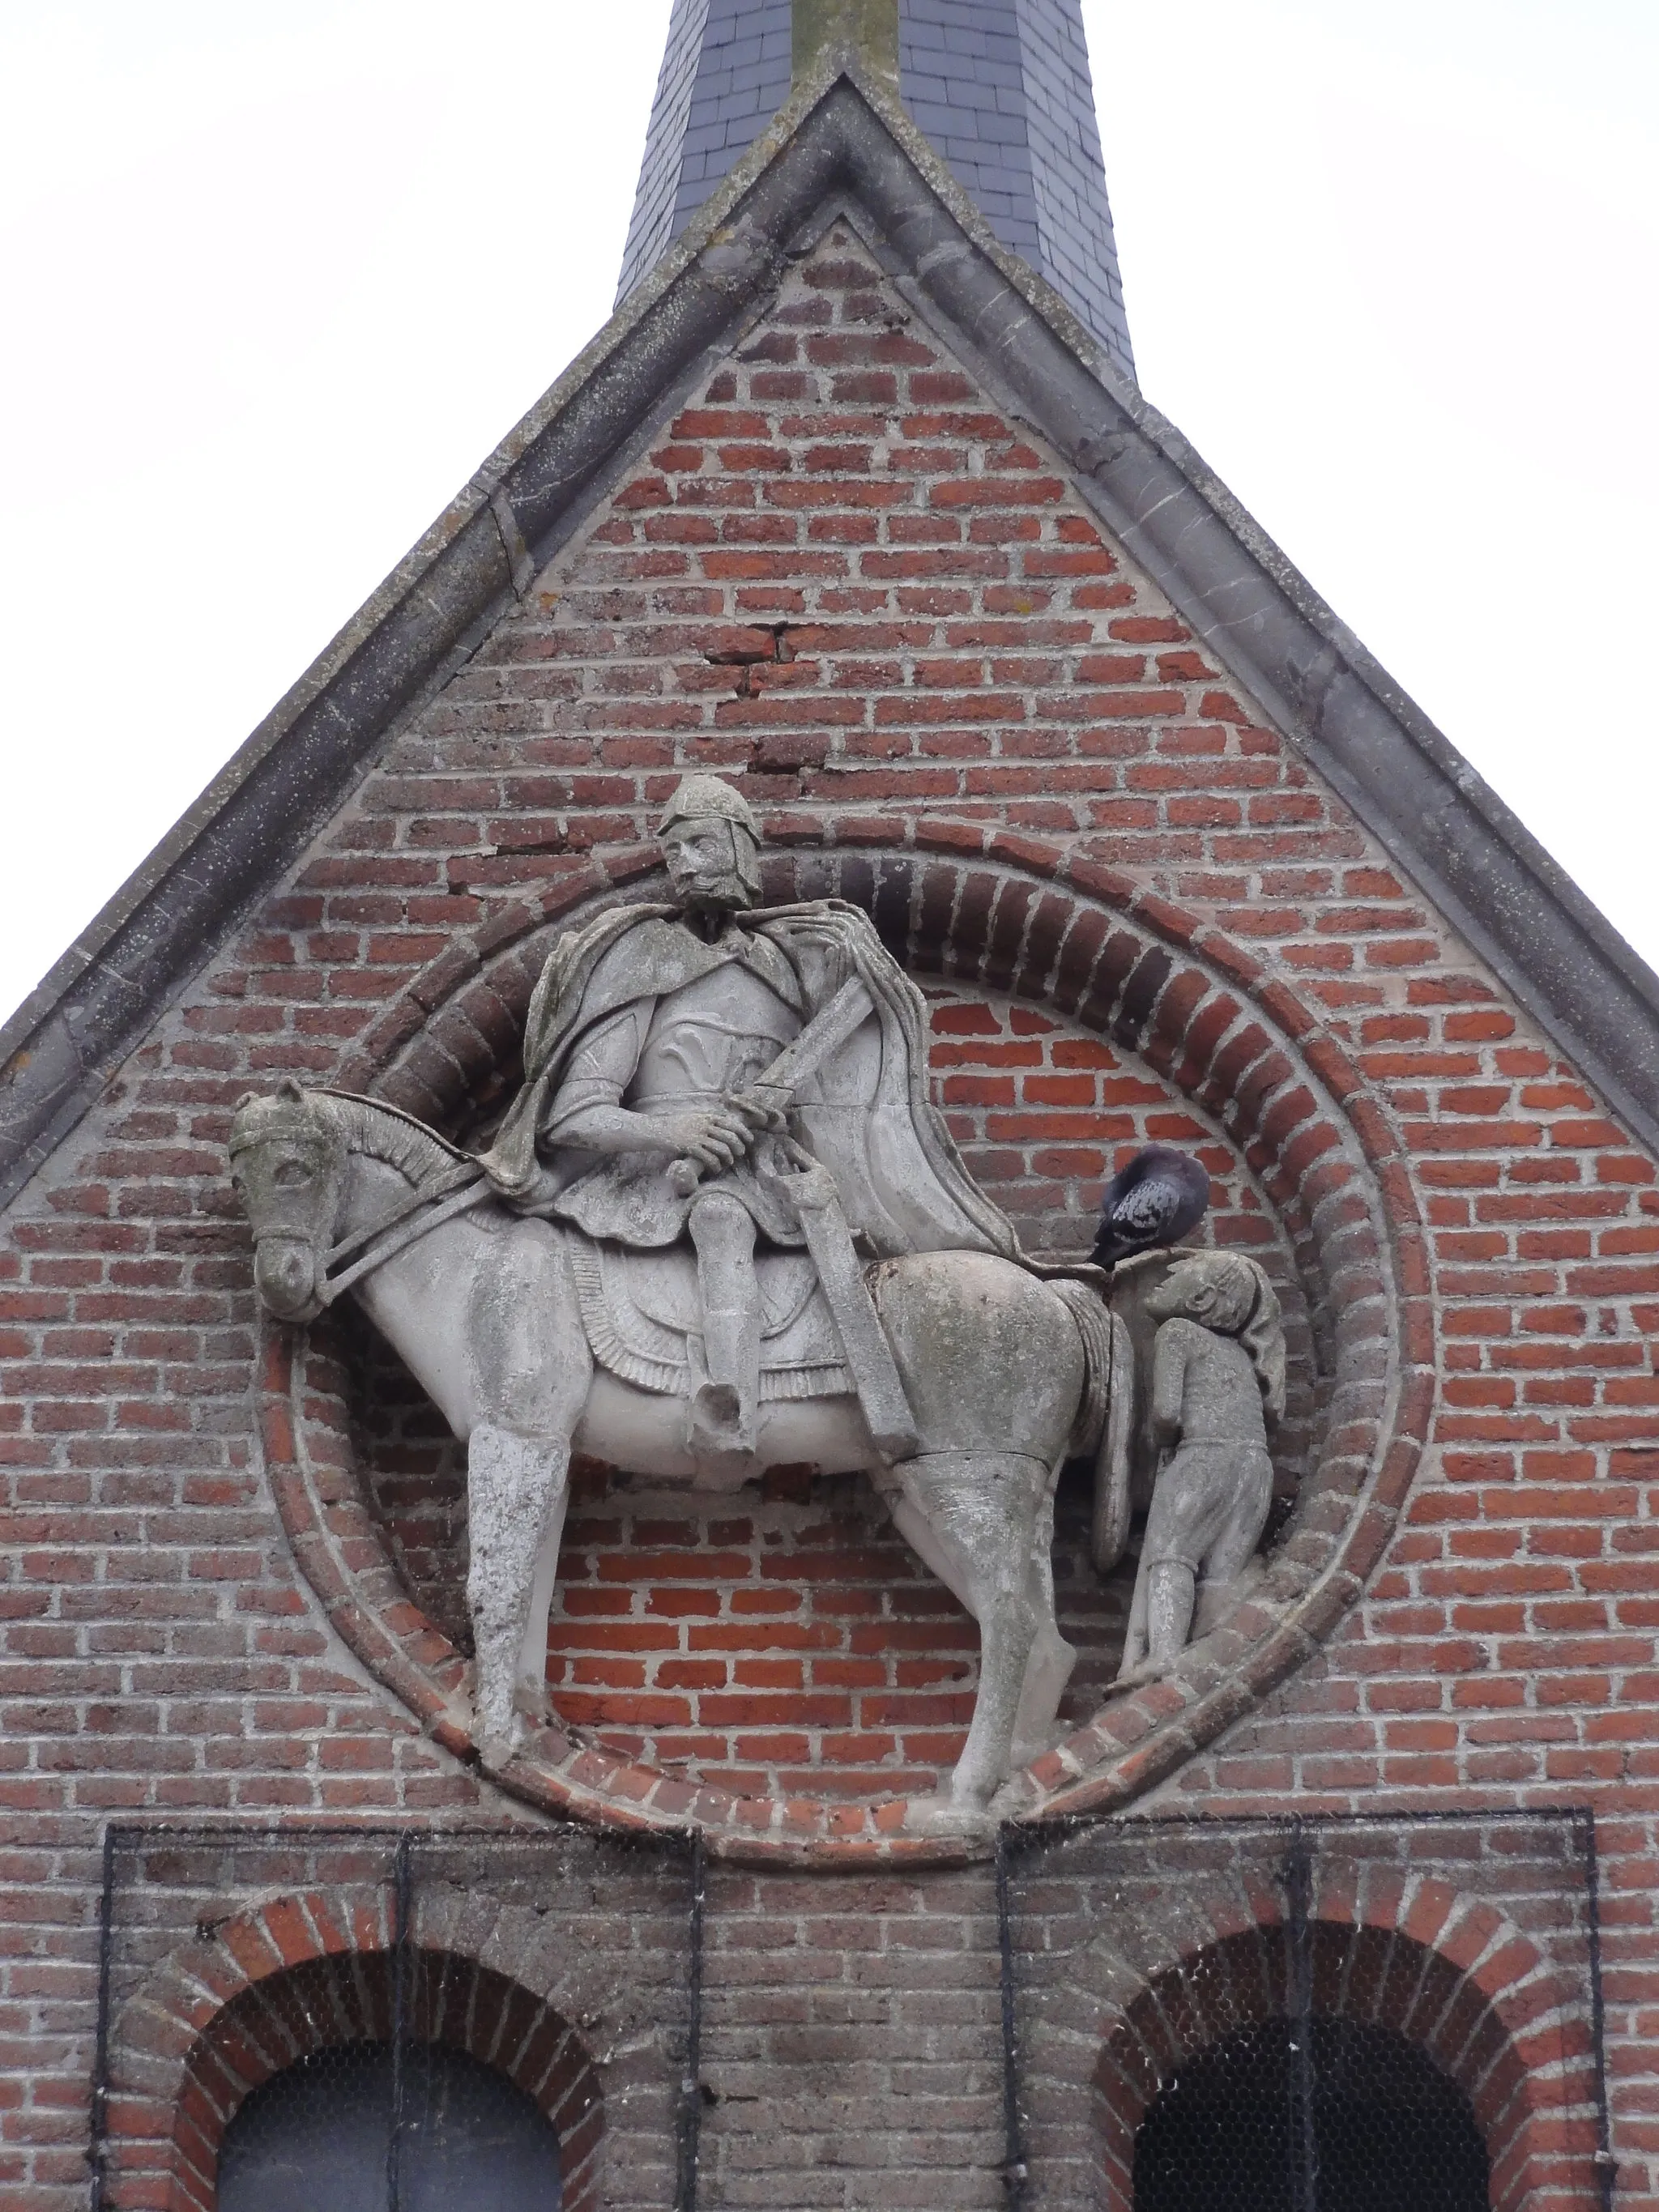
x=1001, y=86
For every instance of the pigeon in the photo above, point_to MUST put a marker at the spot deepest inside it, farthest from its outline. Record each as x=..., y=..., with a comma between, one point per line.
x=1155, y=1200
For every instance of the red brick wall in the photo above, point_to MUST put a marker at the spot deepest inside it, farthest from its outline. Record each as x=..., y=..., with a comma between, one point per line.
x=841, y=573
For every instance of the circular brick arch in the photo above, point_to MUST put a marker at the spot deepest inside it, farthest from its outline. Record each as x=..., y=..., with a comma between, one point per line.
x=1056, y=930
x=301, y=1973
x=1450, y=1974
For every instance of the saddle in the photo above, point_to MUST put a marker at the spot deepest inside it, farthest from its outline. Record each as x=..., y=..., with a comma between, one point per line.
x=641, y=1313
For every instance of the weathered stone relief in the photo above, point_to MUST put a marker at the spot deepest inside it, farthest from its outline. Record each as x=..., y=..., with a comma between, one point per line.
x=721, y=1228
x=819, y=1681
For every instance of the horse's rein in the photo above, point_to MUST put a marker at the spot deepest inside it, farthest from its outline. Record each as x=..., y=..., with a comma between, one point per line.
x=426, y=1208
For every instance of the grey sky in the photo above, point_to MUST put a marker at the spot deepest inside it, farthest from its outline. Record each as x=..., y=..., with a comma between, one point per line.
x=278, y=279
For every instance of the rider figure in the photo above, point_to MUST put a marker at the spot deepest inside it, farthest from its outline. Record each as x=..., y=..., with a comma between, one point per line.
x=663, y=1080
x=638, y=1122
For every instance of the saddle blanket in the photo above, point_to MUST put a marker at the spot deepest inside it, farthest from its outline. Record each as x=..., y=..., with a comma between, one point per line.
x=643, y=1315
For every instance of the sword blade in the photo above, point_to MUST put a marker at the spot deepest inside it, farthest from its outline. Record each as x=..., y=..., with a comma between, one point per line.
x=828, y=1031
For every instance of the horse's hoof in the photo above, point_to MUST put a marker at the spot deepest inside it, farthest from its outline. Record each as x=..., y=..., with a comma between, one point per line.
x=940, y=1815
x=499, y=1748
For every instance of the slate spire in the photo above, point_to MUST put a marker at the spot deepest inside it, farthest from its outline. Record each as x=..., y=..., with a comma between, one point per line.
x=1000, y=87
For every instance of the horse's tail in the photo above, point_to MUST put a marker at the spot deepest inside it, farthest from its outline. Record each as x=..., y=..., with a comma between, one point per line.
x=1105, y=1416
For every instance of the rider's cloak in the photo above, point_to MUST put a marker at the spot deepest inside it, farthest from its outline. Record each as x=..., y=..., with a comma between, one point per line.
x=865, y=1117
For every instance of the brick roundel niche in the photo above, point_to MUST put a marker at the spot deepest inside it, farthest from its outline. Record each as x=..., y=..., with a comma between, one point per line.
x=775, y=1667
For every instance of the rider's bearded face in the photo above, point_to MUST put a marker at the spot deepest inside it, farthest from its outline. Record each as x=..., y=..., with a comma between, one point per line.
x=705, y=865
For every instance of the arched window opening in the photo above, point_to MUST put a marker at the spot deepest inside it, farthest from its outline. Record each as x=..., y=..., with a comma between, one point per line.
x=1326, y=2115
x=318, y=2137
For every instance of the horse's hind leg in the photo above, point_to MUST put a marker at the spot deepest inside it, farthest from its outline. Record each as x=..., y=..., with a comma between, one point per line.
x=532, y=1368
x=1048, y=1669
x=974, y=1518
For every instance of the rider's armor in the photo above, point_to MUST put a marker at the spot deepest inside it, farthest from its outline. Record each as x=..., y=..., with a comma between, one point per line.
x=670, y=1055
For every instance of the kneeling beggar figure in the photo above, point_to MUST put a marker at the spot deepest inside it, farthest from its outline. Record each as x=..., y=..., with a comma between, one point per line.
x=721, y=1228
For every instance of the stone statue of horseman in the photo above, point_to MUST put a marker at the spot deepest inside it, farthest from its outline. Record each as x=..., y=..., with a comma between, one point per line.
x=720, y=1229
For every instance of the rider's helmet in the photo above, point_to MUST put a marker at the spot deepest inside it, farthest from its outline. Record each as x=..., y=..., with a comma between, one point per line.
x=710, y=798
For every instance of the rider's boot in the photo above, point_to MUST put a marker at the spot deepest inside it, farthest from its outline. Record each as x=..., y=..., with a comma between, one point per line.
x=723, y=1410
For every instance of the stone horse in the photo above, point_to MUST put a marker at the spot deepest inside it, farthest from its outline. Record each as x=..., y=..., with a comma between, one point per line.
x=1007, y=1374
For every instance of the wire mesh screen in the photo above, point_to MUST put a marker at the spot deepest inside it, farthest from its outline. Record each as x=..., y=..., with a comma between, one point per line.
x=326, y=2021
x=1285, y=2115
x=427, y=2128
x=1306, y=2015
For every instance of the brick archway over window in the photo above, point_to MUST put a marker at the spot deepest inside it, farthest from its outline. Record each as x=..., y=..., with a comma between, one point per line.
x=1451, y=1975
x=302, y=1973
x=959, y=902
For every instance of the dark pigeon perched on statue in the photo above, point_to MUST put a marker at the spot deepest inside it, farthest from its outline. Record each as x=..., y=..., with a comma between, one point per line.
x=1155, y=1200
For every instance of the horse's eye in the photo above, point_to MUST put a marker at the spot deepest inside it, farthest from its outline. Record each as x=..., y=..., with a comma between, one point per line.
x=291, y=1173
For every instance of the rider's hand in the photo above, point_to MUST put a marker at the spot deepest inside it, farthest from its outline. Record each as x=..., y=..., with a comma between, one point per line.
x=716, y=1137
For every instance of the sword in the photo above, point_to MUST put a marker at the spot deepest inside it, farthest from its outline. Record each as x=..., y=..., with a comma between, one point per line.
x=781, y=1083
x=875, y=1380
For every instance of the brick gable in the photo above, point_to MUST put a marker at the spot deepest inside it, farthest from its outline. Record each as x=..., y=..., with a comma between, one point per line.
x=845, y=569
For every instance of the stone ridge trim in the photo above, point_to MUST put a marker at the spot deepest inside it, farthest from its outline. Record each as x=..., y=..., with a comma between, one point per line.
x=1305, y=1135
x=1563, y=962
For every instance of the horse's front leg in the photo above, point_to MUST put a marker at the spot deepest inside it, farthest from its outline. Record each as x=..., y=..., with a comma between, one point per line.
x=532, y=1369
x=976, y=1518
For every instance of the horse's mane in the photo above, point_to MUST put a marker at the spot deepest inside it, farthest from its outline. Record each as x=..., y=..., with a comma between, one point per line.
x=379, y=1132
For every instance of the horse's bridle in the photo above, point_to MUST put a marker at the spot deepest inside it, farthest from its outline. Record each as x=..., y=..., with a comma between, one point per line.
x=446, y=1195
x=452, y=1190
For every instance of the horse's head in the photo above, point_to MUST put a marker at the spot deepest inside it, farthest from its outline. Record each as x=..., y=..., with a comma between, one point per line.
x=287, y=1159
